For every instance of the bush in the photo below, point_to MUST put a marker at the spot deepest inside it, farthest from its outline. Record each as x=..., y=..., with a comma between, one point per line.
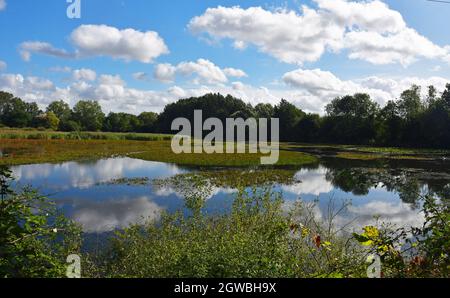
x=34, y=239
x=413, y=252
x=256, y=239
x=69, y=126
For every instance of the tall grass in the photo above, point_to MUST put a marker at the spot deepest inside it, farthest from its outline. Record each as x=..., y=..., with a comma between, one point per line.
x=33, y=134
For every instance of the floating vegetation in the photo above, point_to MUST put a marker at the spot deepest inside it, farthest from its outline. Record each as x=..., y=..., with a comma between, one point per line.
x=231, y=178
x=139, y=181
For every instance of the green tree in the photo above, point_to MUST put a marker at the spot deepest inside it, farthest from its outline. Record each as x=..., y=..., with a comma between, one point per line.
x=389, y=125
x=264, y=110
x=121, y=122
x=16, y=113
x=289, y=116
x=212, y=105
x=410, y=104
x=61, y=109
x=47, y=120
x=148, y=122
x=89, y=115
x=307, y=129
x=351, y=119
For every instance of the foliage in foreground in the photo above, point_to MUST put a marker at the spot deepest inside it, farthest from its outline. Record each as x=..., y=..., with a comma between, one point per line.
x=256, y=239
x=34, y=240
x=413, y=252
x=262, y=236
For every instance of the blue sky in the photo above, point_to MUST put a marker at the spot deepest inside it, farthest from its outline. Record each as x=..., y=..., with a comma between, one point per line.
x=305, y=51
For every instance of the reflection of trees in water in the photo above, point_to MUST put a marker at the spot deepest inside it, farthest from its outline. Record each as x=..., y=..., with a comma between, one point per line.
x=409, y=183
x=411, y=180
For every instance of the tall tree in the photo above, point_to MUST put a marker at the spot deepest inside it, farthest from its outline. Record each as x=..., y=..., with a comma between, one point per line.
x=148, y=122
x=61, y=109
x=16, y=113
x=351, y=119
x=89, y=115
x=289, y=116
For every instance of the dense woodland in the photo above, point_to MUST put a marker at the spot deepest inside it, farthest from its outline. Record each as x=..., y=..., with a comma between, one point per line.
x=411, y=120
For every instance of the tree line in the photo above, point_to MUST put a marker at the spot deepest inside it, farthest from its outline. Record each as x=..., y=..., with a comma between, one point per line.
x=412, y=120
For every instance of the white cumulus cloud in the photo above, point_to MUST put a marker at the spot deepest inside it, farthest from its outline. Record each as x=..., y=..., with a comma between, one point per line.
x=127, y=44
x=309, y=90
x=322, y=86
x=367, y=30
x=203, y=70
x=84, y=74
x=101, y=40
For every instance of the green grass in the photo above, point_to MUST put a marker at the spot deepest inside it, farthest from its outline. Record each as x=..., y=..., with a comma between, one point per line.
x=26, y=151
x=33, y=134
x=369, y=153
x=27, y=146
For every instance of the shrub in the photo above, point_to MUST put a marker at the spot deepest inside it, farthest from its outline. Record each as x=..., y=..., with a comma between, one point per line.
x=256, y=239
x=34, y=239
x=413, y=252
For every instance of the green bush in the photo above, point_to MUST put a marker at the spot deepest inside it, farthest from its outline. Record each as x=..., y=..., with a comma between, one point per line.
x=256, y=239
x=34, y=239
x=415, y=251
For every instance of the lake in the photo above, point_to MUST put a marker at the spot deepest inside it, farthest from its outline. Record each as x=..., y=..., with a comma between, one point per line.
x=90, y=193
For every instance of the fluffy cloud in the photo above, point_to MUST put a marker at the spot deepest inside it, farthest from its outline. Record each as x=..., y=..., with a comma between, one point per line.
x=233, y=72
x=2, y=4
x=102, y=40
x=286, y=35
x=310, y=90
x=165, y=72
x=127, y=44
x=323, y=86
x=368, y=30
x=403, y=47
x=84, y=74
x=204, y=71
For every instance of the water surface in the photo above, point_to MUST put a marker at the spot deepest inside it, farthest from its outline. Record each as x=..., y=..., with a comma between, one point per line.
x=82, y=191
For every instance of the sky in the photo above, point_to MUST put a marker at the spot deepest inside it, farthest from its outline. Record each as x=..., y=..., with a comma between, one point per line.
x=139, y=55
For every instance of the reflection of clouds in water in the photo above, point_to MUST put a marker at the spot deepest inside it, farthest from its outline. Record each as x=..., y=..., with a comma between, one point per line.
x=396, y=213
x=312, y=182
x=109, y=215
x=84, y=175
x=354, y=218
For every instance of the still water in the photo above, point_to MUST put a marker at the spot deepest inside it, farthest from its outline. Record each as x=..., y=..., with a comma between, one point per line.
x=82, y=191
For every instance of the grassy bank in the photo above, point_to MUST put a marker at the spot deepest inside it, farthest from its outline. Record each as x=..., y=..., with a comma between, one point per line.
x=25, y=151
x=33, y=134
x=33, y=146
